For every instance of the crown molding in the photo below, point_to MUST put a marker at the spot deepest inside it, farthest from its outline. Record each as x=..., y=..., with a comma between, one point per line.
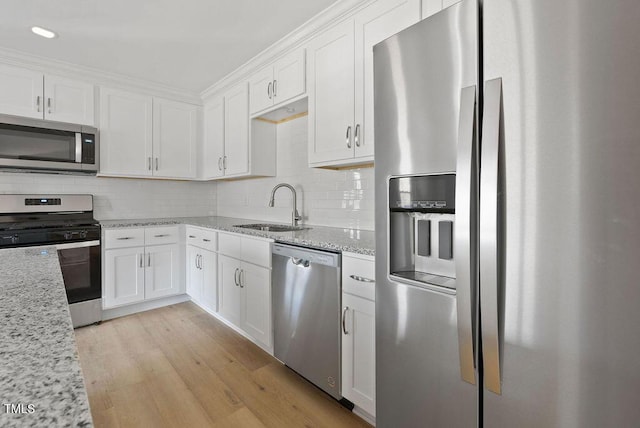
x=335, y=13
x=95, y=76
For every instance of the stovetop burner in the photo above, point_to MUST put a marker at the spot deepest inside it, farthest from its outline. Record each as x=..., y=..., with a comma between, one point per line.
x=34, y=220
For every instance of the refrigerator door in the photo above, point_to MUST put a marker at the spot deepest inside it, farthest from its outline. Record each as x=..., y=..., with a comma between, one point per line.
x=568, y=156
x=419, y=77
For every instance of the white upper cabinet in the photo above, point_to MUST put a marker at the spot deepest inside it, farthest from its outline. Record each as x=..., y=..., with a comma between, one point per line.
x=236, y=131
x=142, y=136
x=213, y=144
x=29, y=93
x=340, y=70
x=67, y=100
x=174, y=138
x=126, y=133
x=235, y=146
x=278, y=83
x=331, y=90
x=430, y=7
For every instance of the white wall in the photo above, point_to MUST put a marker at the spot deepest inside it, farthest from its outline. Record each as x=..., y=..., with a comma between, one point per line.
x=117, y=198
x=325, y=197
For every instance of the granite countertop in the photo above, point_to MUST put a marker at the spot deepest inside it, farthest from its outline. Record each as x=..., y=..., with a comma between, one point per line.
x=322, y=237
x=41, y=383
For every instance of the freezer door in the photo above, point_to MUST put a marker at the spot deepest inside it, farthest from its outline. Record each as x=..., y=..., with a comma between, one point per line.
x=563, y=159
x=420, y=77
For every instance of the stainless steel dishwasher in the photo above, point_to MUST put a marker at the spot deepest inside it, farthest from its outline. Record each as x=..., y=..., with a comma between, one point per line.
x=306, y=314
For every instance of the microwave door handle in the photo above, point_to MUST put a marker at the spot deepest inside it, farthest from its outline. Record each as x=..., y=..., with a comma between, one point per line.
x=78, y=147
x=465, y=221
x=489, y=235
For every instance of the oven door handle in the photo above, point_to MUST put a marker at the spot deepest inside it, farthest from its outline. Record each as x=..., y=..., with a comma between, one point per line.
x=76, y=245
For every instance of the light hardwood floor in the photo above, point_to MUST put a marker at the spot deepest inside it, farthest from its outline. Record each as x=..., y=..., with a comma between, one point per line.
x=178, y=366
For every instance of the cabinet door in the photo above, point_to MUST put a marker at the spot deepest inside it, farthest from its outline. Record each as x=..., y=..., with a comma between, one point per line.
x=213, y=150
x=431, y=7
x=236, y=130
x=21, y=92
x=123, y=276
x=289, y=76
x=261, y=90
x=174, y=139
x=373, y=24
x=162, y=272
x=209, y=269
x=229, y=289
x=67, y=100
x=255, y=282
x=358, y=352
x=125, y=133
x=331, y=91
x=194, y=273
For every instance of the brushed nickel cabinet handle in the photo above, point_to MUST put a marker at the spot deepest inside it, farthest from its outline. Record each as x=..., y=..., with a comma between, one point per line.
x=162, y=235
x=361, y=278
x=141, y=261
x=349, y=136
x=275, y=88
x=240, y=278
x=357, y=135
x=192, y=236
x=224, y=162
x=344, y=319
x=124, y=238
x=38, y=103
x=220, y=163
x=156, y=164
x=149, y=260
x=235, y=277
x=269, y=89
x=206, y=240
x=49, y=104
x=149, y=163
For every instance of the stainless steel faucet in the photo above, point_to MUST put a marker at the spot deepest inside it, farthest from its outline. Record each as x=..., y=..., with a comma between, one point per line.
x=295, y=216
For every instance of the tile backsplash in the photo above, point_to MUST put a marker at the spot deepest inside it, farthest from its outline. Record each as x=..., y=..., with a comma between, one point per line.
x=116, y=198
x=343, y=198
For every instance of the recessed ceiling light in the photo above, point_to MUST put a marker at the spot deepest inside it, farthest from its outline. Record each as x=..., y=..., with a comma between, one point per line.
x=43, y=32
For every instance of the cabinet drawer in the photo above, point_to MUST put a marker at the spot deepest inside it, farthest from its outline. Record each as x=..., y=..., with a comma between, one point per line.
x=358, y=276
x=202, y=238
x=161, y=235
x=230, y=245
x=123, y=238
x=256, y=251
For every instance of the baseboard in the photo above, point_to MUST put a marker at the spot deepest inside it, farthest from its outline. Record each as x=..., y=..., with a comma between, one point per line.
x=108, y=314
x=233, y=327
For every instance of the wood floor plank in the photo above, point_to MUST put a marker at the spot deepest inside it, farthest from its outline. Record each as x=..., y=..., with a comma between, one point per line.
x=242, y=418
x=179, y=366
x=177, y=404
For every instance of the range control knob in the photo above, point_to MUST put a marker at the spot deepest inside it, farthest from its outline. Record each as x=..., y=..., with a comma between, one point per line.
x=83, y=234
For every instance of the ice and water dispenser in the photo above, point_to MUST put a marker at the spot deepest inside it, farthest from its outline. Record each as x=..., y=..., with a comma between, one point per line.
x=421, y=223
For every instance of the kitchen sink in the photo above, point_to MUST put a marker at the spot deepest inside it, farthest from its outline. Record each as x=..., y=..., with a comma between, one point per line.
x=267, y=227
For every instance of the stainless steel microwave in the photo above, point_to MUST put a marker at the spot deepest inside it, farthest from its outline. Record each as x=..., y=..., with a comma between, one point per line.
x=44, y=146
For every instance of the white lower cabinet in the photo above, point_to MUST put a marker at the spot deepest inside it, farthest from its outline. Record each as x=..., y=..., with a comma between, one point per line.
x=359, y=331
x=123, y=276
x=245, y=287
x=135, y=271
x=202, y=267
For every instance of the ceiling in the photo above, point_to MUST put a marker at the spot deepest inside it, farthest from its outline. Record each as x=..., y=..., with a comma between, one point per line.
x=187, y=44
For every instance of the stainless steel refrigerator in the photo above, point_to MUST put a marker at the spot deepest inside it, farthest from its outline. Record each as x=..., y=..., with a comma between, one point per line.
x=507, y=144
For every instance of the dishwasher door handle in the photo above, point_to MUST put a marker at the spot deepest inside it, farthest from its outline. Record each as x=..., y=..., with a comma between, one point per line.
x=300, y=262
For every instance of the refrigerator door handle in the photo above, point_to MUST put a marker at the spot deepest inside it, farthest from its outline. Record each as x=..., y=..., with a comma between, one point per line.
x=489, y=256
x=465, y=229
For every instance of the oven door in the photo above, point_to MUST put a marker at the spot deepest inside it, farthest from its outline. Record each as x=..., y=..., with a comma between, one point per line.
x=80, y=263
